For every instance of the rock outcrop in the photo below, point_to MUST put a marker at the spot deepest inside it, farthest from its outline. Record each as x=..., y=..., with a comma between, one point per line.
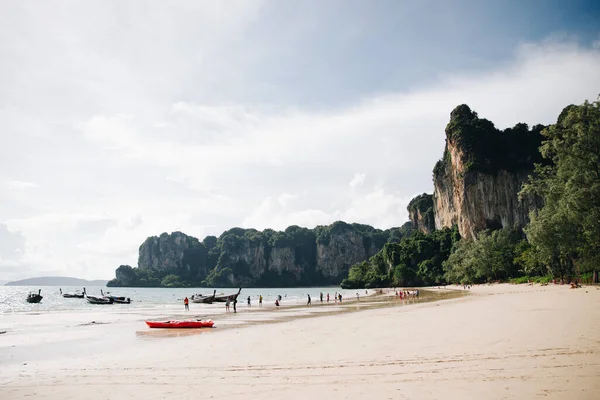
x=421, y=213
x=247, y=257
x=477, y=183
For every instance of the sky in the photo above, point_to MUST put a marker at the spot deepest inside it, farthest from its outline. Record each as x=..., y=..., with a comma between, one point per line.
x=121, y=120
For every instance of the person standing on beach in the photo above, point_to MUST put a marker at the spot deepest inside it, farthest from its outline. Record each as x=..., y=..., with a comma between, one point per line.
x=186, y=303
x=357, y=298
x=335, y=297
x=321, y=295
x=234, y=304
x=340, y=295
x=260, y=300
x=328, y=297
x=249, y=305
x=308, y=304
x=227, y=305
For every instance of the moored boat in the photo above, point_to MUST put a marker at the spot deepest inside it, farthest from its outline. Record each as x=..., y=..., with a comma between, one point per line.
x=76, y=295
x=198, y=298
x=197, y=323
x=35, y=297
x=116, y=299
x=98, y=300
x=231, y=297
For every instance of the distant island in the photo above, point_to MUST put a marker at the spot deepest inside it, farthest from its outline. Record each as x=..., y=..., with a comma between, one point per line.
x=56, y=281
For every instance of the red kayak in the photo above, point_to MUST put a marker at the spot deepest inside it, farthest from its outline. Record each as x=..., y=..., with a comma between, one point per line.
x=181, y=324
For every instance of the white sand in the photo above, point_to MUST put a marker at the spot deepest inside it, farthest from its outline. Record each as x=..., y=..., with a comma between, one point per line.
x=504, y=342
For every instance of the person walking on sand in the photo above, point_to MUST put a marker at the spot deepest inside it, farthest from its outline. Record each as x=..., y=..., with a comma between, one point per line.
x=321, y=295
x=227, y=305
x=260, y=300
x=328, y=297
x=249, y=305
x=340, y=296
x=308, y=304
x=186, y=303
x=234, y=304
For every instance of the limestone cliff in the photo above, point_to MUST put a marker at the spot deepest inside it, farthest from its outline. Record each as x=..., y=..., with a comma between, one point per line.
x=247, y=257
x=477, y=183
x=421, y=213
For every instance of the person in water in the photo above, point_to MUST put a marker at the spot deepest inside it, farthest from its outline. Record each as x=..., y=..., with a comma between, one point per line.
x=249, y=305
x=260, y=300
x=186, y=303
x=308, y=304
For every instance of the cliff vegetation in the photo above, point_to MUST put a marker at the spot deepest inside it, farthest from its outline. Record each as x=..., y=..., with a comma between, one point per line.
x=251, y=258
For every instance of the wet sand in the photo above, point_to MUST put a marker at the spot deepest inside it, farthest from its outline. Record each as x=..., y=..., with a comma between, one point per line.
x=502, y=341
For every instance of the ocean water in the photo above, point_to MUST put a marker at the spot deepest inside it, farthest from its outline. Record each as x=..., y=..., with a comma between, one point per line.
x=12, y=298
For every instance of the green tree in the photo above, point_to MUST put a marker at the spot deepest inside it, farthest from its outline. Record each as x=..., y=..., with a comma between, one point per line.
x=566, y=231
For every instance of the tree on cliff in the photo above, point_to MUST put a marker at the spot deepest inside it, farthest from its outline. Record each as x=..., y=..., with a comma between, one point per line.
x=566, y=231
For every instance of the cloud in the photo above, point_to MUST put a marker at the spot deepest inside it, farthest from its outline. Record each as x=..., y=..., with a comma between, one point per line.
x=358, y=180
x=136, y=152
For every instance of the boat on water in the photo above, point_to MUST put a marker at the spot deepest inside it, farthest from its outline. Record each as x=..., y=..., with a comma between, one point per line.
x=98, y=300
x=190, y=323
x=199, y=298
x=223, y=298
x=35, y=297
x=77, y=295
x=116, y=299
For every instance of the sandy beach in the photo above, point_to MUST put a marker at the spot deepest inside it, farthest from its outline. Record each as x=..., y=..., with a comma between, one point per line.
x=499, y=342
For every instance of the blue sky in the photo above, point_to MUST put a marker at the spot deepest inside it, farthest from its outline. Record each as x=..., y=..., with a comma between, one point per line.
x=122, y=120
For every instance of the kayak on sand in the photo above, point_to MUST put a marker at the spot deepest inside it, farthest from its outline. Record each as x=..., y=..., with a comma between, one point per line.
x=181, y=324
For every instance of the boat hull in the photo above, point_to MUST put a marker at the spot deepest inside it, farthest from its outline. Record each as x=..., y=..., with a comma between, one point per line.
x=180, y=324
x=73, y=296
x=34, y=299
x=230, y=297
x=98, y=300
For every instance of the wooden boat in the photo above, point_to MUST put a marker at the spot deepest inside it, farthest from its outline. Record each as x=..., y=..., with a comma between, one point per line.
x=76, y=295
x=98, y=300
x=116, y=299
x=198, y=298
x=198, y=323
x=225, y=297
x=35, y=297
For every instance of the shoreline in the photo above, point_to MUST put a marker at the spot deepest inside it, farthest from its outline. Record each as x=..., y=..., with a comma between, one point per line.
x=500, y=341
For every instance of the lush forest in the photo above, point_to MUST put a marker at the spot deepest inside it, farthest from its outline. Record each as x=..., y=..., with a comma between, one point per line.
x=252, y=258
x=562, y=240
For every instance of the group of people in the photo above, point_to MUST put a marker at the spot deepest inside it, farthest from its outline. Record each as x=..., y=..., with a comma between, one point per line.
x=337, y=297
x=407, y=294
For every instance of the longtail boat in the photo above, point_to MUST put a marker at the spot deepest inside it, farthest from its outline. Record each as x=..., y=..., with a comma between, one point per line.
x=225, y=297
x=76, y=295
x=116, y=299
x=35, y=298
x=198, y=298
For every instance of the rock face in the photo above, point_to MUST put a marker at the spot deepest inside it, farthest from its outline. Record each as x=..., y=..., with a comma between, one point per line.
x=421, y=213
x=247, y=257
x=165, y=252
x=343, y=250
x=479, y=190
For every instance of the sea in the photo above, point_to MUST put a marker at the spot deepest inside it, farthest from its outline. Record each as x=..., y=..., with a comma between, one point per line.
x=12, y=298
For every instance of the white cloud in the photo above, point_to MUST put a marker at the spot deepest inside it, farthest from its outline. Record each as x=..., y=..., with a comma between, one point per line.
x=358, y=180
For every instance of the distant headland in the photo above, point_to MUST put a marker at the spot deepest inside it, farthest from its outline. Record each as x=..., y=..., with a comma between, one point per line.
x=56, y=281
